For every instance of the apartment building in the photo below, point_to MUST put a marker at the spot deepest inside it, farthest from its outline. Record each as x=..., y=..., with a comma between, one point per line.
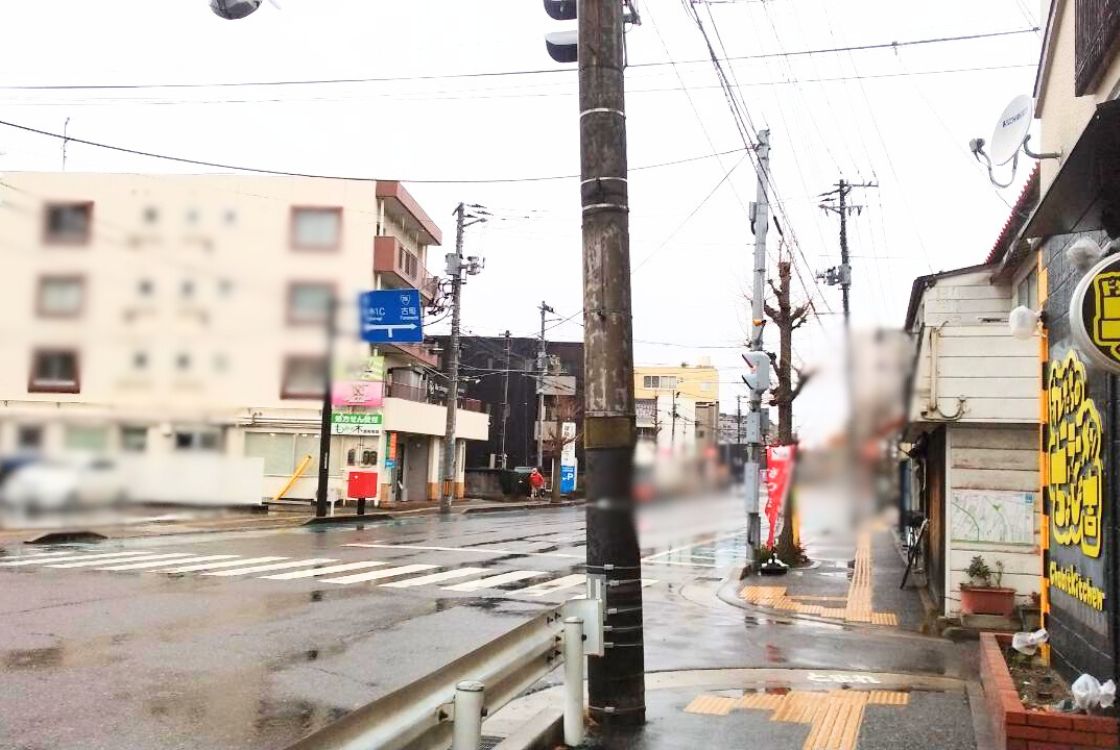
x=678, y=407
x=170, y=316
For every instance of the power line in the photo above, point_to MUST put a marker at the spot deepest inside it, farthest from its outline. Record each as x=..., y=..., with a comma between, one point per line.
x=283, y=173
x=893, y=45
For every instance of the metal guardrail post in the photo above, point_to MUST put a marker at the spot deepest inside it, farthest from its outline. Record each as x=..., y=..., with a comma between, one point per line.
x=573, y=681
x=467, y=729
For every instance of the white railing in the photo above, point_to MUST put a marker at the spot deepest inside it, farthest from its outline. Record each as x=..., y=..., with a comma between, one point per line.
x=446, y=708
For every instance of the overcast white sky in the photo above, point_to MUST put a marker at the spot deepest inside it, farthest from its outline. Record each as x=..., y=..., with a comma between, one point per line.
x=881, y=115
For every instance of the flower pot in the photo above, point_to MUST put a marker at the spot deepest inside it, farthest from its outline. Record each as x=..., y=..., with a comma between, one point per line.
x=987, y=600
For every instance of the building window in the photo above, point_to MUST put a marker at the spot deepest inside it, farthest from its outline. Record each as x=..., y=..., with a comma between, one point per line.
x=659, y=381
x=201, y=439
x=308, y=302
x=316, y=228
x=225, y=287
x=54, y=371
x=1027, y=292
x=145, y=287
x=230, y=217
x=304, y=377
x=68, y=223
x=221, y=362
x=60, y=296
x=186, y=289
x=139, y=360
x=183, y=362
x=192, y=216
x=134, y=439
x=86, y=438
x=283, y=452
x=151, y=215
x=29, y=437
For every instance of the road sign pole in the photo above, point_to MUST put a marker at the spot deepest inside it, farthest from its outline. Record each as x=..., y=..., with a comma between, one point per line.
x=325, y=416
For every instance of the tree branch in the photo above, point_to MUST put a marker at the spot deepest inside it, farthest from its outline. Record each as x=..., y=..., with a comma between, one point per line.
x=772, y=314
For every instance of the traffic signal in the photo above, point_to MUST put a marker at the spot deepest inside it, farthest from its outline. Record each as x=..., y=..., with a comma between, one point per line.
x=758, y=380
x=562, y=45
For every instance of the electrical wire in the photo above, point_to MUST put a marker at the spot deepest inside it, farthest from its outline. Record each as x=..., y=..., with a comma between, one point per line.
x=283, y=173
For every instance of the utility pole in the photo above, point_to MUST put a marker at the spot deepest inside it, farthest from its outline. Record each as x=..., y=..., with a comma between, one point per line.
x=616, y=680
x=756, y=358
x=842, y=275
x=456, y=266
x=505, y=403
x=325, y=413
x=739, y=420
x=673, y=434
x=542, y=369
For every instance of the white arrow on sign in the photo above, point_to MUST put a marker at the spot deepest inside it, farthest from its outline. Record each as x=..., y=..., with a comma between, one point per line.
x=389, y=328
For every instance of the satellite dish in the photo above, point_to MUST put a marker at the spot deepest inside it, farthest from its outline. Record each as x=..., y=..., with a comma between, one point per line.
x=1011, y=129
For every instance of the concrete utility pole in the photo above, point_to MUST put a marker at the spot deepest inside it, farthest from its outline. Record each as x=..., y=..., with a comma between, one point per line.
x=616, y=680
x=542, y=370
x=325, y=413
x=739, y=420
x=456, y=266
x=756, y=358
x=673, y=434
x=505, y=404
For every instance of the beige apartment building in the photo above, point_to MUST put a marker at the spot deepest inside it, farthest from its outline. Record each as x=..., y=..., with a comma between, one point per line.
x=170, y=316
x=691, y=392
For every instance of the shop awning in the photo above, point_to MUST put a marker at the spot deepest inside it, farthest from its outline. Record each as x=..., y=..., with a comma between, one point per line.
x=1085, y=195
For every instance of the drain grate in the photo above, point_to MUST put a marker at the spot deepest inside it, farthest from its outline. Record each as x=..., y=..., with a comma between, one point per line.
x=489, y=742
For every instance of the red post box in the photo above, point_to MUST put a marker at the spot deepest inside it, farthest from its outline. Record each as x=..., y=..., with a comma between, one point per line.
x=361, y=484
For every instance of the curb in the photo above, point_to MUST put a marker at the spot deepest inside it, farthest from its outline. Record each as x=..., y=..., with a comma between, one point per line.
x=347, y=519
x=521, y=506
x=542, y=732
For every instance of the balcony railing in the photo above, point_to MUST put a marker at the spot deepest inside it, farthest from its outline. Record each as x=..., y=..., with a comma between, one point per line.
x=1096, y=25
x=424, y=395
x=405, y=267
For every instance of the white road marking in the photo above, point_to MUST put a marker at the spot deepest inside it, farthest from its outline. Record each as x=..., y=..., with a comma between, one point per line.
x=476, y=550
x=491, y=582
x=434, y=578
x=226, y=564
x=324, y=571
x=134, y=558
x=273, y=566
x=647, y=582
x=82, y=556
x=163, y=563
x=715, y=538
x=556, y=584
x=378, y=574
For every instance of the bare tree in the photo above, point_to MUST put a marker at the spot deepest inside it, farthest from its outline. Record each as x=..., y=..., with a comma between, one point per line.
x=565, y=409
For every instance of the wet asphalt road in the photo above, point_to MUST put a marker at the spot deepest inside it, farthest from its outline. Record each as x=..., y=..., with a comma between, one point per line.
x=258, y=639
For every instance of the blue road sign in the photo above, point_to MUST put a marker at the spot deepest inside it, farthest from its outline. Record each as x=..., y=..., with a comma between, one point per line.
x=391, y=316
x=390, y=463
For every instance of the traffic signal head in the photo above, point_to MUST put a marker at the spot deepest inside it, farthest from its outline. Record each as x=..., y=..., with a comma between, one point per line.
x=758, y=379
x=562, y=46
x=560, y=10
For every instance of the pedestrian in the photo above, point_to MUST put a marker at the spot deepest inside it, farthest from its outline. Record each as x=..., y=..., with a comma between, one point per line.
x=536, y=482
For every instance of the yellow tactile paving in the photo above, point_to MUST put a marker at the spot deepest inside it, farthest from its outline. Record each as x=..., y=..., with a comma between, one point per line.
x=856, y=605
x=835, y=717
x=714, y=705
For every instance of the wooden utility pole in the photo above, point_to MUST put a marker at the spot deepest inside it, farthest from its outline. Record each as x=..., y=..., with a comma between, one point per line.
x=616, y=680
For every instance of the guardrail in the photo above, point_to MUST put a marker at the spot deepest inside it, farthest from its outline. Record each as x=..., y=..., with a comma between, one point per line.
x=446, y=708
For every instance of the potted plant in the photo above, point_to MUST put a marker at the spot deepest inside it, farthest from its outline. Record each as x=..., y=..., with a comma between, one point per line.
x=980, y=596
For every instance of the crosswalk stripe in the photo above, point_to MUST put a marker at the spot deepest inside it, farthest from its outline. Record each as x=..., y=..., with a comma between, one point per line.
x=82, y=556
x=273, y=566
x=434, y=578
x=494, y=581
x=379, y=574
x=136, y=558
x=557, y=584
x=324, y=571
x=130, y=565
x=225, y=564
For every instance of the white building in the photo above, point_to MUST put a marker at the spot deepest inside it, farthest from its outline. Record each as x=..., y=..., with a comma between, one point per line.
x=174, y=315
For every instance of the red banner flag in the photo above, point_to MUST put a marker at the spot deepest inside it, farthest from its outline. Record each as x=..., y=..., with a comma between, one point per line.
x=779, y=477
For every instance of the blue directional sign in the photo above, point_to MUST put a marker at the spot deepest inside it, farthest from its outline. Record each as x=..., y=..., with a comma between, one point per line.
x=567, y=479
x=391, y=316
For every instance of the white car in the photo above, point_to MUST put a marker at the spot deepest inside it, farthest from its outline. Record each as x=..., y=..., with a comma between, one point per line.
x=65, y=485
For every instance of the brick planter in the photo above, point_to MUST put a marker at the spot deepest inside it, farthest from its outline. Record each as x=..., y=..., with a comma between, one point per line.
x=1018, y=728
